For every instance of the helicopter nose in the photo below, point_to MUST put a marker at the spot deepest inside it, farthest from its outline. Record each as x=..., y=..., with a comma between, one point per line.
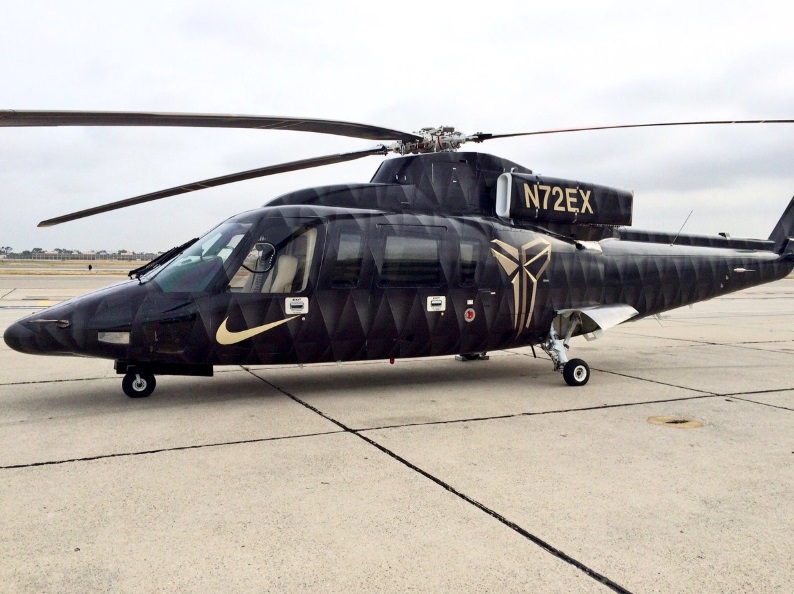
x=36, y=337
x=18, y=337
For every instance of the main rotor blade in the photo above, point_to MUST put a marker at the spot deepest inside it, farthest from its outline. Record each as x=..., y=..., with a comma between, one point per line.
x=15, y=118
x=480, y=137
x=217, y=181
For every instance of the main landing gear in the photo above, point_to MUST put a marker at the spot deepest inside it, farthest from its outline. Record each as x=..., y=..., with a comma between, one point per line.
x=575, y=371
x=472, y=357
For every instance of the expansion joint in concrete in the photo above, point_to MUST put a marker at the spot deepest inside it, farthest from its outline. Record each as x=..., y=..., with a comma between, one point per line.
x=500, y=518
x=162, y=450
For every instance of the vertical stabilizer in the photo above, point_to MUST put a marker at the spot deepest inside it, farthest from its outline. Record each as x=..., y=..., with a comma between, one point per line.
x=784, y=228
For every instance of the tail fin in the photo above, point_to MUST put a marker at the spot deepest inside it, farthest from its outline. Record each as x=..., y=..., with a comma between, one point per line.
x=784, y=229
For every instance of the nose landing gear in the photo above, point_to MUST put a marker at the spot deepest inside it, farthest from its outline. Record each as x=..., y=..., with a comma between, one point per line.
x=139, y=379
x=138, y=384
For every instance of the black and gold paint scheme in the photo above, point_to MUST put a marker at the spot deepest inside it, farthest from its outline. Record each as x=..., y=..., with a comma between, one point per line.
x=523, y=265
x=366, y=260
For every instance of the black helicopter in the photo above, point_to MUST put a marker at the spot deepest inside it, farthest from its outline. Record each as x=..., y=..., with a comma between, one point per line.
x=441, y=253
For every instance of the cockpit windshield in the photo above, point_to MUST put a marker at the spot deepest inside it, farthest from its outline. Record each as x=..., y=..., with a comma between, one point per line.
x=246, y=255
x=194, y=269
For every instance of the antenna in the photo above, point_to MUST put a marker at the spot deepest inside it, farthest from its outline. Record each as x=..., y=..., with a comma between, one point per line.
x=682, y=227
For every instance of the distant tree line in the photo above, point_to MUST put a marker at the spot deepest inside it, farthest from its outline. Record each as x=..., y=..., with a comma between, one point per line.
x=38, y=253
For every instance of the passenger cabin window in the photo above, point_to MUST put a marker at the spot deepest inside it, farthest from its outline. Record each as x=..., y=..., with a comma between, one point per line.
x=277, y=264
x=469, y=254
x=410, y=260
x=347, y=267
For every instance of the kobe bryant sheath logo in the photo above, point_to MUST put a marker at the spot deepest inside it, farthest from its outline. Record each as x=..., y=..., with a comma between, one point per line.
x=523, y=267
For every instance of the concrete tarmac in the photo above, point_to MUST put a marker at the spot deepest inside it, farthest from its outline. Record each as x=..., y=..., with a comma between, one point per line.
x=426, y=475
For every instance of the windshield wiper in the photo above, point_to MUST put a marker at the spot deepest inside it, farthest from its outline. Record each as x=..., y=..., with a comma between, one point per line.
x=161, y=259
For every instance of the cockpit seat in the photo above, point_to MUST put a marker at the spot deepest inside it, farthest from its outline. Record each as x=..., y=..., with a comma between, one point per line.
x=282, y=276
x=255, y=277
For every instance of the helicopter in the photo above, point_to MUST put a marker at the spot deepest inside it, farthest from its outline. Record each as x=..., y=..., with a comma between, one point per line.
x=441, y=253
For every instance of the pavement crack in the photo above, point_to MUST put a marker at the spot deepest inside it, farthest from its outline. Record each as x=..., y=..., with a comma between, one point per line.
x=734, y=397
x=163, y=450
x=482, y=507
x=641, y=379
x=749, y=347
x=692, y=341
x=749, y=392
x=701, y=342
x=539, y=413
x=762, y=341
x=54, y=381
x=645, y=379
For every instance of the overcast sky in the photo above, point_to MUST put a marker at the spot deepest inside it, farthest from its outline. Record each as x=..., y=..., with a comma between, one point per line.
x=483, y=66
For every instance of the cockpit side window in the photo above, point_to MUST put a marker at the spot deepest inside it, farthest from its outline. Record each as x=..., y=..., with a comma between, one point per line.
x=280, y=261
x=250, y=277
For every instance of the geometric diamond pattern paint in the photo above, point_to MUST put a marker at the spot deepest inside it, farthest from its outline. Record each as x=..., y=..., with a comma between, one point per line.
x=363, y=261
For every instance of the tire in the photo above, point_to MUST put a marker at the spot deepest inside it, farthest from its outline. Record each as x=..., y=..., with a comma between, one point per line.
x=138, y=384
x=481, y=356
x=576, y=372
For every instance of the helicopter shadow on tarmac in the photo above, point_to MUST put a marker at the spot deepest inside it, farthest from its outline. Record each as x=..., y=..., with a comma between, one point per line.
x=488, y=376
x=416, y=390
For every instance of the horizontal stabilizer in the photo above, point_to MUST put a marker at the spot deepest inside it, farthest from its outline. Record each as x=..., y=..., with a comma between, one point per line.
x=601, y=317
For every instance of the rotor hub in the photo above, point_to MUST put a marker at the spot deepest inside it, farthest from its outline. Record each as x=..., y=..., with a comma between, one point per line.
x=434, y=140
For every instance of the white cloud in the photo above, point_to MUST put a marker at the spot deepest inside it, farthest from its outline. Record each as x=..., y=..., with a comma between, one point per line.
x=499, y=67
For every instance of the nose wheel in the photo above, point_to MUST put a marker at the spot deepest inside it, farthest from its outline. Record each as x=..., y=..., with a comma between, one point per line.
x=138, y=384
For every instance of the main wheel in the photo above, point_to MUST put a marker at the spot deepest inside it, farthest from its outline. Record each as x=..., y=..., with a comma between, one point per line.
x=473, y=356
x=138, y=384
x=576, y=372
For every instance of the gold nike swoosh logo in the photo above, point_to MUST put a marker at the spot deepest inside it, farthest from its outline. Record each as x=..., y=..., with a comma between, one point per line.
x=225, y=336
